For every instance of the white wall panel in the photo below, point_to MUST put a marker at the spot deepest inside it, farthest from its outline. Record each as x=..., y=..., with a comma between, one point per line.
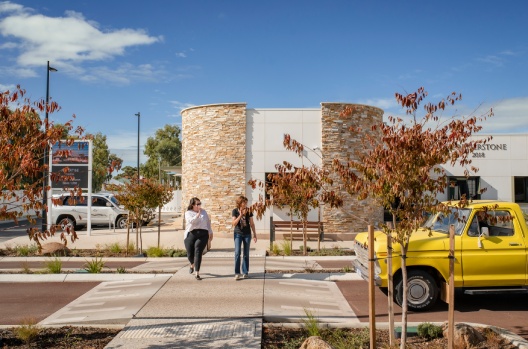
x=274, y=134
x=519, y=147
x=311, y=116
x=284, y=116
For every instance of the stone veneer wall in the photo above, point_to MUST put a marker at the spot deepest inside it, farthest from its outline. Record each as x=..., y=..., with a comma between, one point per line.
x=338, y=143
x=214, y=159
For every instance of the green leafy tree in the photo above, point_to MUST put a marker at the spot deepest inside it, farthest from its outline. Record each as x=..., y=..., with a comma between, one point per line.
x=141, y=199
x=23, y=136
x=164, y=148
x=101, y=161
x=404, y=163
x=127, y=172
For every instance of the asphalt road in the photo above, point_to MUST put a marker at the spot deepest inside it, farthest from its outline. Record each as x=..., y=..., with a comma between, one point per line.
x=506, y=311
x=10, y=230
x=22, y=302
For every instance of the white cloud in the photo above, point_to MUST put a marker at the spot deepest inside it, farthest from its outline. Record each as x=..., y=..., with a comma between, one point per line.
x=383, y=103
x=491, y=59
x=181, y=105
x=67, y=41
x=4, y=88
x=124, y=145
x=8, y=45
x=181, y=54
x=510, y=116
x=6, y=6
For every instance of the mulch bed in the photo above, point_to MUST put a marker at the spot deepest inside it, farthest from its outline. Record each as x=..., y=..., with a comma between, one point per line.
x=61, y=338
x=276, y=337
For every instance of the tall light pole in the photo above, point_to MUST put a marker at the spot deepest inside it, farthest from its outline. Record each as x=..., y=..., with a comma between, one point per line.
x=46, y=160
x=139, y=116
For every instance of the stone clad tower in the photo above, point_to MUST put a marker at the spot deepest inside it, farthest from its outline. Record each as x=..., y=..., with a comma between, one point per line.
x=338, y=143
x=214, y=159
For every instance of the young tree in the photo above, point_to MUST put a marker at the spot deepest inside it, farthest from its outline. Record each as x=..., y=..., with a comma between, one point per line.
x=299, y=188
x=128, y=172
x=405, y=164
x=23, y=136
x=141, y=199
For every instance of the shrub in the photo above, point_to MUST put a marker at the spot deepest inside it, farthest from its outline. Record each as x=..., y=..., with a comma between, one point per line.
x=54, y=266
x=308, y=248
x=25, y=250
x=311, y=323
x=347, y=269
x=275, y=249
x=28, y=331
x=121, y=270
x=114, y=248
x=177, y=253
x=429, y=331
x=155, y=251
x=286, y=247
x=25, y=268
x=95, y=265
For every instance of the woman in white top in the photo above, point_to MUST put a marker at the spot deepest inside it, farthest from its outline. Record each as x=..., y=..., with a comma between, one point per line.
x=197, y=233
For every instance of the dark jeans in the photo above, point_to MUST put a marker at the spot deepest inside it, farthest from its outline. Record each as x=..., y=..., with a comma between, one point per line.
x=246, y=241
x=195, y=243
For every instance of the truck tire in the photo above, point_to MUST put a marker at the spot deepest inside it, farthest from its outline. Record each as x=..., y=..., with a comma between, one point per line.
x=422, y=291
x=65, y=222
x=121, y=222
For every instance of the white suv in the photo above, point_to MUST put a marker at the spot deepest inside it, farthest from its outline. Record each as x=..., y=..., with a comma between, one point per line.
x=74, y=211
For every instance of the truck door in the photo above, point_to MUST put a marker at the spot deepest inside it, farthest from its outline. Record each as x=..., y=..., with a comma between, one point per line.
x=102, y=211
x=498, y=260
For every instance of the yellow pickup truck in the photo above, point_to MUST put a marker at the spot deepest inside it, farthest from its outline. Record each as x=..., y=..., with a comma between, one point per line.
x=490, y=254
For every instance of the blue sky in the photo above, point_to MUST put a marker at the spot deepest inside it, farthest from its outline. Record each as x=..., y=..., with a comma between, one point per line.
x=116, y=58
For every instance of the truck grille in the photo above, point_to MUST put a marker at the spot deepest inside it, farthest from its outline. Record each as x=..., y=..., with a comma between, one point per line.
x=361, y=253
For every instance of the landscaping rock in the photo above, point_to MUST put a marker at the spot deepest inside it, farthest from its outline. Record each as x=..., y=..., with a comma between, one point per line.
x=315, y=342
x=55, y=249
x=465, y=335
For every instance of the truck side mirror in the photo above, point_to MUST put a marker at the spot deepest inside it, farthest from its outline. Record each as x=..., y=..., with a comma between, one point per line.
x=484, y=231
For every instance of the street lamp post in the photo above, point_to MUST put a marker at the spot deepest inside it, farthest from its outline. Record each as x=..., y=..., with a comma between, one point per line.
x=46, y=160
x=139, y=116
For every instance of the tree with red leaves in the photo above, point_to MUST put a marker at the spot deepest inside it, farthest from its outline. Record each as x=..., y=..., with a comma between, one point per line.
x=404, y=165
x=23, y=137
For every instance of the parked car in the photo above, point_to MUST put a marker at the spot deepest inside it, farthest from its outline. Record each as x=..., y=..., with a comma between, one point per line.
x=490, y=254
x=73, y=211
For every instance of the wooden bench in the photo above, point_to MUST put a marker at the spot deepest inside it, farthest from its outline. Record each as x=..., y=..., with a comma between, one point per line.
x=314, y=230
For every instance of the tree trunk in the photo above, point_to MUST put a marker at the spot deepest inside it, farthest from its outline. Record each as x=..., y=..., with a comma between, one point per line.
x=128, y=237
x=390, y=285
x=291, y=230
x=140, y=236
x=304, y=237
x=404, y=303
x=159, y=226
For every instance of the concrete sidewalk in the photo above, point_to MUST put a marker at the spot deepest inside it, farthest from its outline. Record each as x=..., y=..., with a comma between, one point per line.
x=216, y=312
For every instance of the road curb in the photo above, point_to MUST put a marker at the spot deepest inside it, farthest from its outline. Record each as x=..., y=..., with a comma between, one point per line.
x=73, y=277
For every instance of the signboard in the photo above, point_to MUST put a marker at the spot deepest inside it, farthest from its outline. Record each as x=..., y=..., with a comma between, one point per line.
x=76, y=158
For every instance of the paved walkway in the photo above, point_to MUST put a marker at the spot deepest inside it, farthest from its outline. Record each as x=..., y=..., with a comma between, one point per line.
x=166, y=307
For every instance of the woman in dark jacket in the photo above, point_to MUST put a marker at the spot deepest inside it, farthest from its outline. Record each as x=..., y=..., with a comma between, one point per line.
x=243, y=226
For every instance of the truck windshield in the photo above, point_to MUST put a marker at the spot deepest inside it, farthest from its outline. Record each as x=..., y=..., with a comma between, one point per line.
x=114, y=200
x=440, y=222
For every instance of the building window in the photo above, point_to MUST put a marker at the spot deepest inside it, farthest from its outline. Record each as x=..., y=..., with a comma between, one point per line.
x=458, y=186
x=521, y=189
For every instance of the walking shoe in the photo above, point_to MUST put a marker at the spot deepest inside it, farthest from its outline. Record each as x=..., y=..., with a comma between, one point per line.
x=198, y=277
x=246, y=276
x=191, y=270
x=237, y=277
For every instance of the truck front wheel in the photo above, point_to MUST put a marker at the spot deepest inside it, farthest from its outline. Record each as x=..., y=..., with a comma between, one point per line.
x=422, y=291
